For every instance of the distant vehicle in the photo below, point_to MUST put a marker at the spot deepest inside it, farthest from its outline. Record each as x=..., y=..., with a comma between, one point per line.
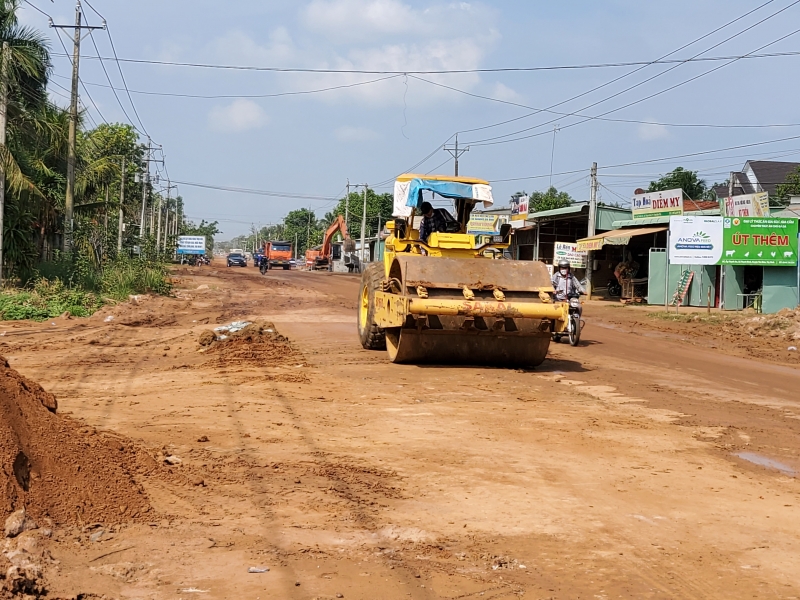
x=236, y=251
x=236, y=259
x=276, y=255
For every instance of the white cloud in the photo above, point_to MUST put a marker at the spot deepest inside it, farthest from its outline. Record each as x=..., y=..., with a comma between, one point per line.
x=652, y=131
x=374, y=35
x=355, y=134
x=239, y=48
x=240, y=115
x=348, y=17
x=503, y=92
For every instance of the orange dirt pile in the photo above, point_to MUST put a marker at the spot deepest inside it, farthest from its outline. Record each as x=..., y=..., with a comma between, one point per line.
x=256, y=342
x=56, y=468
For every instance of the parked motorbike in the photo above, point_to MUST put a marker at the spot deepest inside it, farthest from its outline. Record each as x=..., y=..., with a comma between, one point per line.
x=573, y=322
x=614, y=288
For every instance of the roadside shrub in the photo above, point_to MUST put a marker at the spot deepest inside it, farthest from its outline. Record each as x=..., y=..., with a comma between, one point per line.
x=73, y=286
x=126, y=276
x=45, y=300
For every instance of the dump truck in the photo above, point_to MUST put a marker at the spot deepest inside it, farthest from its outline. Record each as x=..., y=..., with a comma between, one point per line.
x=445, y=300
x=277, y=255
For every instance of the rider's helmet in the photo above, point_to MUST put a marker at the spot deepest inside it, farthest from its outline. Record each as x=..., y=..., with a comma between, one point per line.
x=563, y=264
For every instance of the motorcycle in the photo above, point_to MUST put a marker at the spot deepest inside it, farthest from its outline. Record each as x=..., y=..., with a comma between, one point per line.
x=263, y=265
x=573, y=331
x=613, y=287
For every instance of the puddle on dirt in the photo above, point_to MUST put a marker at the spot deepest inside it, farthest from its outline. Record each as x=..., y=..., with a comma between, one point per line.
x=763, y=461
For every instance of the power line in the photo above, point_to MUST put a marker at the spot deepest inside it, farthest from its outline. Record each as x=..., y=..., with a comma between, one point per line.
x=644, y=66
x=254, y=191
x=111, y=85
x=577, y=114
x=119, y=67
x=497, y=140
x=223, y=96
x=443, y=71
x=653, y=160
x=88, y=95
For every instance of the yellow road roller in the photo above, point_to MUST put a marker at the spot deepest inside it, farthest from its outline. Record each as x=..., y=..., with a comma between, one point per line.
x=451, y=295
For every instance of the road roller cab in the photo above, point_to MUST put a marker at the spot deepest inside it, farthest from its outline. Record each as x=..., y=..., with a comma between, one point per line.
x=445, y=300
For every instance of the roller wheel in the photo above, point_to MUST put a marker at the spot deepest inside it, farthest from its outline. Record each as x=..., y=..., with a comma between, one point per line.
x=372, y=337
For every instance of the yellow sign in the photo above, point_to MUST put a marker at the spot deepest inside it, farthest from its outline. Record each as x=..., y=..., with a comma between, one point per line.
x=591, y=244
x=483, y=224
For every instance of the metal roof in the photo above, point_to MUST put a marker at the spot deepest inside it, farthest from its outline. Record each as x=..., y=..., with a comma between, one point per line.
x=604, y=219
x=714, y=212
x=456, y=178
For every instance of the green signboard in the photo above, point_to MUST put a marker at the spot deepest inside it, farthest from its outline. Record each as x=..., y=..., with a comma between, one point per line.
x=765, y=241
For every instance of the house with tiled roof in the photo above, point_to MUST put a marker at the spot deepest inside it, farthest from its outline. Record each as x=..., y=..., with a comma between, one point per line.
x=758, y=176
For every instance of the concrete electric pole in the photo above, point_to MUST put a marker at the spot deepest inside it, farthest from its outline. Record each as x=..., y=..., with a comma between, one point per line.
x=363, y=231
x=69, y=197
x=592, y=225
x=456, y=153
x=3, y=113
x=121, y=223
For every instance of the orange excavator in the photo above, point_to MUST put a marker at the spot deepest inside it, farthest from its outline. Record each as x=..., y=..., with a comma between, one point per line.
x=319, y=257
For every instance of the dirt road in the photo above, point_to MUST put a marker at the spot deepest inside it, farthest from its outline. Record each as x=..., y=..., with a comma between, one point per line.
x=612, y=471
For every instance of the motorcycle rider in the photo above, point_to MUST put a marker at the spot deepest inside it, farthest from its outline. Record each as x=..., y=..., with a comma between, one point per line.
x=564, y=282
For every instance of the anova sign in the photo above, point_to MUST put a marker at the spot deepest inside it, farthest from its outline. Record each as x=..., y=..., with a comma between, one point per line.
x=695, y=240
x=768, y=242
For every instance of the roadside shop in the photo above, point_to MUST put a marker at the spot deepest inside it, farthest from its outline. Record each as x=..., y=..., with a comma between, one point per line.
x=722, y=257
x=550, y=235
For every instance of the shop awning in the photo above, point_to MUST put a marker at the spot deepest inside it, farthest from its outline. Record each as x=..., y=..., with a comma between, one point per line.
x=615, y=237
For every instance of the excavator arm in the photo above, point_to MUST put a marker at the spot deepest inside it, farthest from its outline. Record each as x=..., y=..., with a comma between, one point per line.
x=320, y=258
x=337, y=225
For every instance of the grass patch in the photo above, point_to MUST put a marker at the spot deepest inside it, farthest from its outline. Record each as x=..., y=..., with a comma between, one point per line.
x=47, y=299
x=64, y=287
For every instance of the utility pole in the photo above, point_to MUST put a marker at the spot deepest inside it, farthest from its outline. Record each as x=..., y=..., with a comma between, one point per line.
x=3, y=111
x=105, y=222
x=347, y=205
x=456, y=153
x=592, y=223
x=378, y=237
x=145, y=181
x=730, y=188
x=160, y=210
x=295, y=245
x=121, y=223
x=553, y=154
x=69, y=197
x=363, y=231
x=166, y=218
x=308, y=230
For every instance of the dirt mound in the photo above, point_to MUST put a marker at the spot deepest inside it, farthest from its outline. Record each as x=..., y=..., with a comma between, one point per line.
x=784, y=325
x=256, y=342
x=56, y=468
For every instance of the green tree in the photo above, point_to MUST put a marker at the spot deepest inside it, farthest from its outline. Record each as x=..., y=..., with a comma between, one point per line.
x=379, y=209
x=302, y=225
x=549, y=200
x=790, y=187
x=693, y=187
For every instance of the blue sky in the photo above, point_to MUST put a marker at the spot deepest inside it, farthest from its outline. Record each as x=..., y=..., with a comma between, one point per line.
x=309, y=145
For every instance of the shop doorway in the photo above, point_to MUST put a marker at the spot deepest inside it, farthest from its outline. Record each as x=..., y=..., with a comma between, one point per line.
x=753, y=279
